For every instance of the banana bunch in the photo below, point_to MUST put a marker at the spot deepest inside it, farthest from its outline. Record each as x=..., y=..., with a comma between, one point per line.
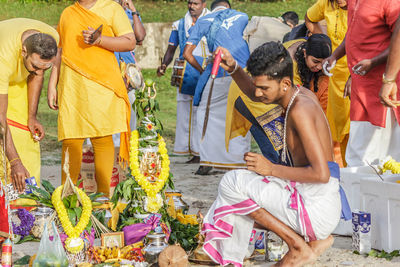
x=107, y=253
x=110, y=254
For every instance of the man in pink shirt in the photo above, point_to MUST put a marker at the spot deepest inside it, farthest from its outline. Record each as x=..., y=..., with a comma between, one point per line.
x=374, y=129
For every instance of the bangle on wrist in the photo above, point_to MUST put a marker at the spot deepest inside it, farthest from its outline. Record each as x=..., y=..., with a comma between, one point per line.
x=14, y=159
x=135, y=13
x=100, y=39
x=235, y=69
x=386, y=80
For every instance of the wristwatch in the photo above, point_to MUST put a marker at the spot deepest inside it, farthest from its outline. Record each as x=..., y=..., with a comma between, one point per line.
x=135, y=13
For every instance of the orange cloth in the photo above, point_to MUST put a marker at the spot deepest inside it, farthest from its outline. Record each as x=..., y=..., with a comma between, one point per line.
x=322, y=93
x=85, y=59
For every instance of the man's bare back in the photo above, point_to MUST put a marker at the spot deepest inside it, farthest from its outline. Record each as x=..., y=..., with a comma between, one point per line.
x=312, y=122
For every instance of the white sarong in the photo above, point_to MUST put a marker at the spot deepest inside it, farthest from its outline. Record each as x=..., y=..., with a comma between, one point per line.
x=186, y=140
x=372, y=143
x=241, y=192
x=212, y=147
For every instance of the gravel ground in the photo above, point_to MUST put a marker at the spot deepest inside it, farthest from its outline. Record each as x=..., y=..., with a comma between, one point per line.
x=199, y=192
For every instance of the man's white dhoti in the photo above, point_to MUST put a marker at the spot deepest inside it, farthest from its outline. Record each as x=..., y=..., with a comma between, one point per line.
x=372, y=143
x=242, y=192
x=186, y=140
x=212, y=147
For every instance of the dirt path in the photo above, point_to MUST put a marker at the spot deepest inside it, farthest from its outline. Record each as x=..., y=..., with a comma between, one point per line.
x=199, y=192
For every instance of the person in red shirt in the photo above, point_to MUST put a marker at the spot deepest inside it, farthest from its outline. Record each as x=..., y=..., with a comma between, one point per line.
x=374, y=129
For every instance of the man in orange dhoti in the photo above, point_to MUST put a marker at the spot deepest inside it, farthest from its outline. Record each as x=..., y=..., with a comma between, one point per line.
x=92, y=97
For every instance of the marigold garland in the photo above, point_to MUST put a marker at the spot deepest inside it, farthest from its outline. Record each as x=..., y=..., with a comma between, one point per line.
x=389, y=164
x=73, y=243
x=151, y=188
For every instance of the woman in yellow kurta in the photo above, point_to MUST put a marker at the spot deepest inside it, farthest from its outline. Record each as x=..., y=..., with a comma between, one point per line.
x=307, y=57
x=92, y=97
x=338, y=111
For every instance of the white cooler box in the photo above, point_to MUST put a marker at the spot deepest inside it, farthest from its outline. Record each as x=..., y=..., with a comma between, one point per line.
x=350, y=179
x=382, y=200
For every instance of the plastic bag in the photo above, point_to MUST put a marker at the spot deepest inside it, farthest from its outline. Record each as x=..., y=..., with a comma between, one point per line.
x=51, y=253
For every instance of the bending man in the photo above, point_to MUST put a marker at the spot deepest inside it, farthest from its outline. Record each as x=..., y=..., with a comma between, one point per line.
x=28, y=49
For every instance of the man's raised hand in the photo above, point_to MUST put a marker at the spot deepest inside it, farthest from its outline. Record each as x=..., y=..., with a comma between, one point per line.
x=228, y=63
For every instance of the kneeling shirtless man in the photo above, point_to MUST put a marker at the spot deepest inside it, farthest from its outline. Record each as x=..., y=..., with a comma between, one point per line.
x=299, y=201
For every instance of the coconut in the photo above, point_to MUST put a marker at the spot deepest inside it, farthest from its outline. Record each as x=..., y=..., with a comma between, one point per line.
x=173, y=256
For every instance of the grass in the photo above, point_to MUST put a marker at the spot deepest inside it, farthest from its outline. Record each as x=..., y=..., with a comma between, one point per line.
x=151, y=11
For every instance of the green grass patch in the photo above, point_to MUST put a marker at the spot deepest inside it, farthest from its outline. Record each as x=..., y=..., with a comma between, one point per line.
x=151, y=11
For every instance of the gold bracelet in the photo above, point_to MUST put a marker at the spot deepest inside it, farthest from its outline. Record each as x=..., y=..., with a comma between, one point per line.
x=17, y=158
x=387, y=81
x=101, y=38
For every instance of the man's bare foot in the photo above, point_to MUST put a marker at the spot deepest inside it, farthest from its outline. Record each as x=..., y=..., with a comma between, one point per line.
x=319, y=246
x=297, y=256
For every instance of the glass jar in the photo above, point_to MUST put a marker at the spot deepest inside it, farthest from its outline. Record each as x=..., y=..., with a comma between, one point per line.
x=41, y=215
x=154, y=246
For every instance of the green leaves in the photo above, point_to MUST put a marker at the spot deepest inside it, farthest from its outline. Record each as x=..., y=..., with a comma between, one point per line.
x=127, y=189
x=48, y=186
x=184, y=234
x=383, y=254
x=72, y=216
x=27, y=239
x=73, y=201
x=171, y=181
x=100, y=215
x=95, y=196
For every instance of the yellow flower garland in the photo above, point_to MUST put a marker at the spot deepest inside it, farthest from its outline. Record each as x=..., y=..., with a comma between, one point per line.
x=74, y=243
x=389, y=164
x=151, y=188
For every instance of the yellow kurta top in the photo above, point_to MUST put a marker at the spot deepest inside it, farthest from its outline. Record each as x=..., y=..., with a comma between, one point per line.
x=13, y=81
x=87, y=108
x=296, y=76
x=338, y=111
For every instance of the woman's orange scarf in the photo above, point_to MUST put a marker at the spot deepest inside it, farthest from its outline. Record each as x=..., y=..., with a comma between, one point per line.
x=93, y=62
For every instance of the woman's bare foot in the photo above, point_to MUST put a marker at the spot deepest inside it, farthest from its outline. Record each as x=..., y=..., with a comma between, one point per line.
x=319, y=246
x=297, y=256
